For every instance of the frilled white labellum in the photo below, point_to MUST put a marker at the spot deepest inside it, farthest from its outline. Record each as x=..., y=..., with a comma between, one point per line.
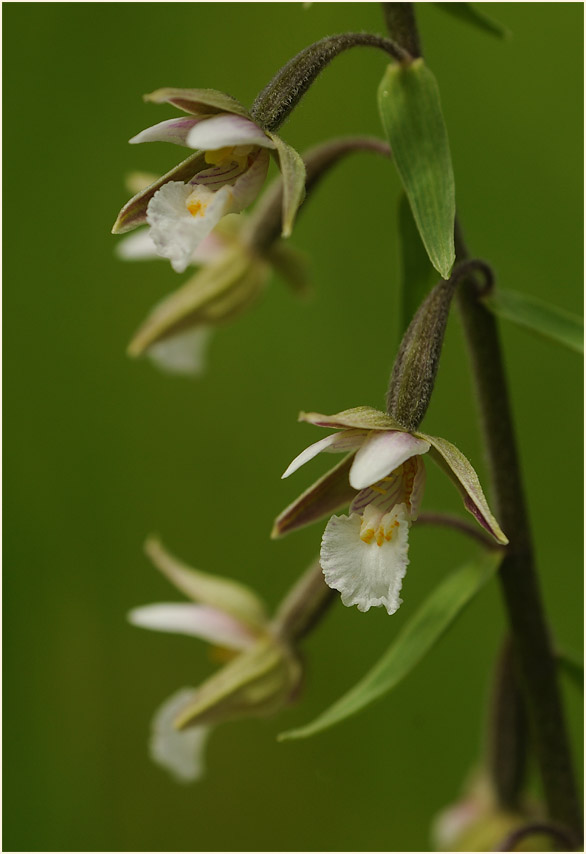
x=365, y=557
x=180, y=752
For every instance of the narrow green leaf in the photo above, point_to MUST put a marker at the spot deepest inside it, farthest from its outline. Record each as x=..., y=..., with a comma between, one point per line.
x=572, y=665
x=554, y=323
x=471, y=14
x=416, y=638
x=411, y=113
x=417, y=276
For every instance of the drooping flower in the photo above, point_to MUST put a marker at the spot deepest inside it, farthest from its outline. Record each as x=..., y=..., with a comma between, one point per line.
x=223, y=176
x=261, y=676
x=365, y=555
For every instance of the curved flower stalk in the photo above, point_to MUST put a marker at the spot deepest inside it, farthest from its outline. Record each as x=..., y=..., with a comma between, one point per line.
x=365, y=555
x=223, y=176
x=262, y=675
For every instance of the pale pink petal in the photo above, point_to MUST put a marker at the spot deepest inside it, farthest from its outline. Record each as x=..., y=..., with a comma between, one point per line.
x=226, y=130
x=348, y=440
x=200, y=621
x=381, y=453
x=180, y=752
x=172, y=130
x=417, y=488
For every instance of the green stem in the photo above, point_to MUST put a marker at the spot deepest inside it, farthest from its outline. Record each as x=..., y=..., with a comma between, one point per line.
x=518, y=578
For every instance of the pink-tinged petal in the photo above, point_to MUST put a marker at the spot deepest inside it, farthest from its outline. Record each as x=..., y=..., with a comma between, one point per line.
x=367, y=574
x=172, y=130
x=198, y=101
x=181, y=753
x=361, y=417
x=461, y=473
x=348, y=440
x=198, y=621
x=222, y=594
x=381, y=454
x=327, y=495
x=227, y=130
x=134, y=212
x=249, y=184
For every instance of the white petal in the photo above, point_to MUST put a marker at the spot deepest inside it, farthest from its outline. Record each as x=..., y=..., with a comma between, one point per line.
x=184, y=354
x=172, y=130
x=417, y=489
x=177, y=233
x=200, y=621
x=366, y=574
x=381, y=454
x=137, y=246
x=224, y=130
x=179, y=752
x=348, y=440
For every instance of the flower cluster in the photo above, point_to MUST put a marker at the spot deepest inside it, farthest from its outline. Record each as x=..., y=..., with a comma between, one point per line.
x=261, y=676
x=223, y=176
x=365, y=555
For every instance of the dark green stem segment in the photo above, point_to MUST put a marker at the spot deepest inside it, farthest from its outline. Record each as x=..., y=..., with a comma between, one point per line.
x=562, y=836
x=264, y=225
x=304, y=605
x=272, y=106
x=506, y=747
x=400, y=21
x=518, y=577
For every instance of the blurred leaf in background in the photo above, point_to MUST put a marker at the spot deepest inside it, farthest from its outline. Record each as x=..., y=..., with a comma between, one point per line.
x=101, y=450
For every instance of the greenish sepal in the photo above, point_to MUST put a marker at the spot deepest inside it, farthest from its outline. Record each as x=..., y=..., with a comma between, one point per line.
x=293, y=176
x=323, y=498
x=198, y=102
x=359, y=417
x=411, y=113
x=258, y=682
x=217, y=292
x=133, y=213
x=413, y=642
x=538, y=316
x=458, y=468
x=224, y=594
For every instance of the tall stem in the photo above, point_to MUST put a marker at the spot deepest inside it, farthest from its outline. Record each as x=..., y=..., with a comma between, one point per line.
x=518, y=577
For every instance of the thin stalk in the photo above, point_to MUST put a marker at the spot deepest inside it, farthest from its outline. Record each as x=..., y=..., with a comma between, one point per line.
x=518, y=578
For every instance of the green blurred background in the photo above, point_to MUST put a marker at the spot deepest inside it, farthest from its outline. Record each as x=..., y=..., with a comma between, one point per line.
x=101, y=451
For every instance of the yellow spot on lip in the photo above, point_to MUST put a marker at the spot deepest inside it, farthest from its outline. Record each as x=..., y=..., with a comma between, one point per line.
x=195, y=207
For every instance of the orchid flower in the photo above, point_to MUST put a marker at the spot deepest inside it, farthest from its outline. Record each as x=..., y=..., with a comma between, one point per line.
x=365, y=555
x=223, y=176
x=260, y=677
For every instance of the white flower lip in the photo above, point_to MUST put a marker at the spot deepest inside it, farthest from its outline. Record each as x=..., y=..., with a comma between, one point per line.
x=181, y=753
x=367, y=575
